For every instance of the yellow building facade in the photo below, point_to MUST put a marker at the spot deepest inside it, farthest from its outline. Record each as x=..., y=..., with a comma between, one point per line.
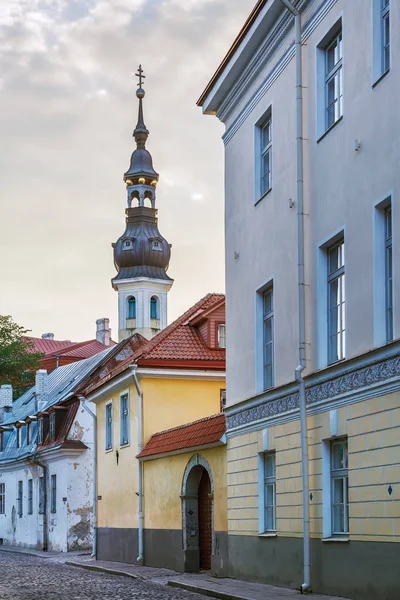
x=140, y=400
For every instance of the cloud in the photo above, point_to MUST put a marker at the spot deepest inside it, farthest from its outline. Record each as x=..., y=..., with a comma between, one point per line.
x=68, y=111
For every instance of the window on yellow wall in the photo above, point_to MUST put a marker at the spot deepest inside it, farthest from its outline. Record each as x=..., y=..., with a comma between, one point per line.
x=124, y=419
x=109, y=440
x=339, y=487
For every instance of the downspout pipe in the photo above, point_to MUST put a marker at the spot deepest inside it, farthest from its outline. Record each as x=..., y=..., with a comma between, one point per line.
x=43, y=466
x=82, y=399
x=306, y=585
x=133, y=368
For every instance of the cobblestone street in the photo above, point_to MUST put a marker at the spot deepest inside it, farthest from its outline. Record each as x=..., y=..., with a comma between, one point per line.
x=24, y=577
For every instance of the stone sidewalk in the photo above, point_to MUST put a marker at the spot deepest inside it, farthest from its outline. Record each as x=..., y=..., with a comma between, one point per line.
x=203, y=583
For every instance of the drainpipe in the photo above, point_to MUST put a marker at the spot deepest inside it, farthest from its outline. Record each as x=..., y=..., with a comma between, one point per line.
x=306, y=585
x=37, y=462
x=133, y=368
x=82, y=399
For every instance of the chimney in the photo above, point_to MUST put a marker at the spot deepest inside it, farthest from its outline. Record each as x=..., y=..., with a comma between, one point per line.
x=41, y=389
x=6, y=400
x=47, y=336
x=103, y=331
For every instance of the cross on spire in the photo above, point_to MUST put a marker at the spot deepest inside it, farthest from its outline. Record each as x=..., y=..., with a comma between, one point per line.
x=140, y=76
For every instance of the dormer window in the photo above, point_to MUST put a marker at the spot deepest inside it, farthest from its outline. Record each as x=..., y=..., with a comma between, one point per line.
x=222, y=336
x=28, y=433
x=156, y=245
x=18, y=437
x=2, y=444
x=52, y=427
x=127, y=245
x=40, y=430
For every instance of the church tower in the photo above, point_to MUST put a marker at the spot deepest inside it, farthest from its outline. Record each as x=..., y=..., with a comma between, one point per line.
x=141, y=254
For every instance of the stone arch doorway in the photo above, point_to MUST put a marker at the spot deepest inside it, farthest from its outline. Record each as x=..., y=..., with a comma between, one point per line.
x=197, y=515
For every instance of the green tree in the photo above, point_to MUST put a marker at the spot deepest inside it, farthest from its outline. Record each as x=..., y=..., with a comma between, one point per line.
x=18, y=359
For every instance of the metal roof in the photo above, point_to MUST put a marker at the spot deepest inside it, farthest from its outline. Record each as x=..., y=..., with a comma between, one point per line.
x=62, y=383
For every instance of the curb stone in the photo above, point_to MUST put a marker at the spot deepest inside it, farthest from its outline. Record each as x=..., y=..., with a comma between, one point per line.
x=101, y=569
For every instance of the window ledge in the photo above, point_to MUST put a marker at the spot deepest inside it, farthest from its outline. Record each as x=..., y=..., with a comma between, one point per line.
x=263, y=196
x=342, y=540
x=268, y=534
x=125, y=445
x=380, y=78
x=108, y=450
x=340, y=119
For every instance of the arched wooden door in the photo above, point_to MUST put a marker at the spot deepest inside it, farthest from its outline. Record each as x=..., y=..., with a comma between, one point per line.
x=205, y=521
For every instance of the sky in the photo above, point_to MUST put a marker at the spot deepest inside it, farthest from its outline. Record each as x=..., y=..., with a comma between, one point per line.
x=67, y=112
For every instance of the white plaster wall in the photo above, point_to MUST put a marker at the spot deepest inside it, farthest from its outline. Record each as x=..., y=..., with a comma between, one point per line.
x=79, y=494
x=341, y=188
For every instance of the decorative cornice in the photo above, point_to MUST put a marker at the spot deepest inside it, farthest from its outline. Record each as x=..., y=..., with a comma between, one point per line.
x=354, y=382
x=260, y=62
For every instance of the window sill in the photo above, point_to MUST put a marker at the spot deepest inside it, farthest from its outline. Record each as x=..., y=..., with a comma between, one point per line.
x=341, y=540
x=263, y=196
x=108, y=450
x=380, y=78
x=268, y=534
x=329, y=129
x=125, y=445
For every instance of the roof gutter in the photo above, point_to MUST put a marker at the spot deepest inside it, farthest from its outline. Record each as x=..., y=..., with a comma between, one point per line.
x=306, y=585
x=133, y=369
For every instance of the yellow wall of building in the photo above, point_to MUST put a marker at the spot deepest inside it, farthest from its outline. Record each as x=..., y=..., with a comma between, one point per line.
x=166, y=403
x=163, y=488
x=172, y=402
x=373, y=431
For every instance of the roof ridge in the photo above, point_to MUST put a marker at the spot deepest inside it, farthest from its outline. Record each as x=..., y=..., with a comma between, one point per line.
x=164, y=333
x=209, y=418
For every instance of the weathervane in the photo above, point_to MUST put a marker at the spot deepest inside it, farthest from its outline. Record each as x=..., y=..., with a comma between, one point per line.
x=140, y=76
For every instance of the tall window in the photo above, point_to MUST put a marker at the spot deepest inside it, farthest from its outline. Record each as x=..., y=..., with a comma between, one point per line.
x=221, y=336
x=269, y=491
x=19, y=499
x=124, y=420
x=30, y=496
x=336, y=303
x=154, y=308
x=42, y=496
x=334, y=80
x=53, y=497
x=385, y=35
x=109, y=424
x=266, y=156
x=2, y=498
x=132, y=308
x=52, y=428
x=389, y=273
x=268, y=338
x=339, y=487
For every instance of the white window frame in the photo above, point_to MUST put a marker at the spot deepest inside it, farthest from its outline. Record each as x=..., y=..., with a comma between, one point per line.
x=30, y=496
x=2, y=498
x=261, y=150
x=381, y=60
x=259, y=334
x=124, y=442
x=110, y=447
x=222, y=335
x=322, y=78
x=128, y=305
x=20, y=498
x=328, y=475
x=53, y=493
x=269, y=316
x=264, y=480
x=337, y=276
x=158, y=307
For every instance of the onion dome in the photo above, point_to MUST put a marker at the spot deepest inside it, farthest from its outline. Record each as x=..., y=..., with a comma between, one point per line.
x=141, y=251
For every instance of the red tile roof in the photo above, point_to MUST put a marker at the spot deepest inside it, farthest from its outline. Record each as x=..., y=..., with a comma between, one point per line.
x=179, y=342
x=191, y=435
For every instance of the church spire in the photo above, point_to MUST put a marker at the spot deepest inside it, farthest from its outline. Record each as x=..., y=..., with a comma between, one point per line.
x=141, y=254
x=141, y=169
x=140, y=132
